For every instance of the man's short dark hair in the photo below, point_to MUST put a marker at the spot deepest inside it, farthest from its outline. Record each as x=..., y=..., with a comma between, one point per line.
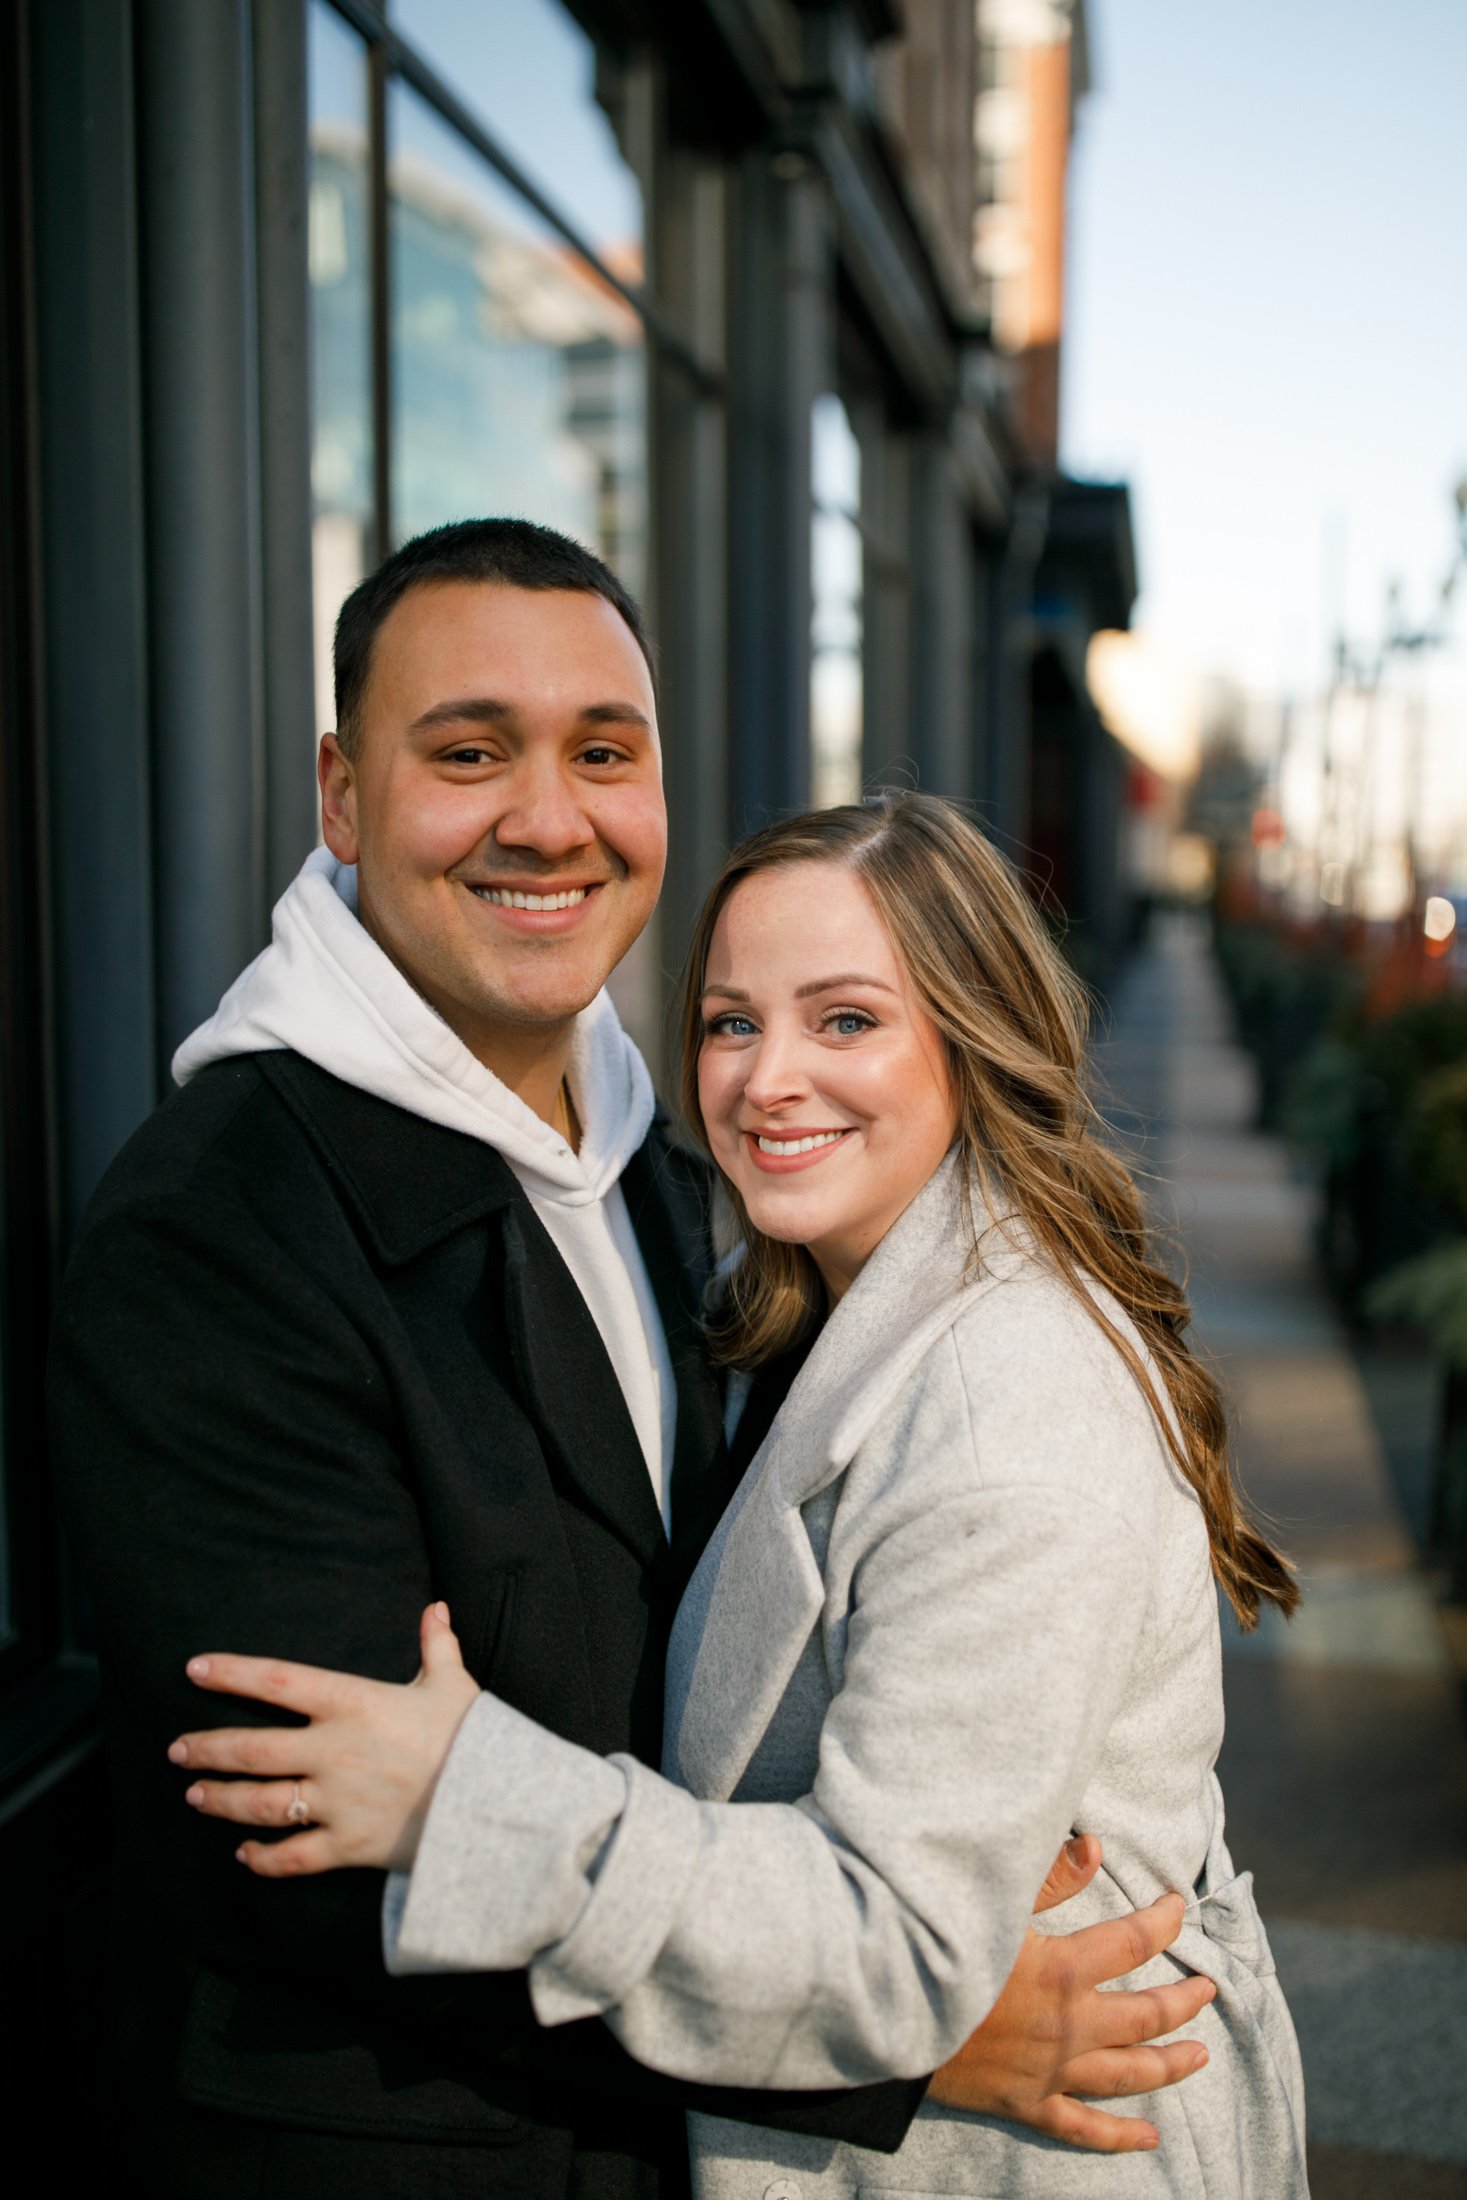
x=514, y=553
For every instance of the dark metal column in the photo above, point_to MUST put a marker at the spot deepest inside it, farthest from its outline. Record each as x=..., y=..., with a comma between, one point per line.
x=282, y=190
x=942, y=591
x=690, y=531
x=781, y=357
x=199, y=347
x=93, y=586
x=1011, y=582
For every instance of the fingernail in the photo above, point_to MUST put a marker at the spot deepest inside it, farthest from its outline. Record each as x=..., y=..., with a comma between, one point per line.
x=442, y=1612
x=242, y=1854
x=195, y=1796
x=197, y=1669
x=1075, y=1849
x=1211, y=1994
x=178, y=1753
x=1199, y=2058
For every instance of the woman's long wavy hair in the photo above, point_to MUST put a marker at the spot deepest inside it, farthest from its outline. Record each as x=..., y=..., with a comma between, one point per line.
x=1013, y=1019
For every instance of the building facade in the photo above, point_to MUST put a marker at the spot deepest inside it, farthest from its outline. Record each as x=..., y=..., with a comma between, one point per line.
x=286, y=281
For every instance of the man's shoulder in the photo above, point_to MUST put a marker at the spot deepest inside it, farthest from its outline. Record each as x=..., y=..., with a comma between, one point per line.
x=225, y=1106
x=272, y=1143
x=235, y=1129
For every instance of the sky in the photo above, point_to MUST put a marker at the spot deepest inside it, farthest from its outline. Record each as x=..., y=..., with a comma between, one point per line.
x=1267, y=331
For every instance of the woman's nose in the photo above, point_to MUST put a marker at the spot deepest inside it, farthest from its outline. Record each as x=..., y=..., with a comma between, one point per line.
x=776, y=1074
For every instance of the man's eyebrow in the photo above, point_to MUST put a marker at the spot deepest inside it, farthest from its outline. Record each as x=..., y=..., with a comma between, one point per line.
x=464, y=710
x=616, y=714
x=804, y=992
x=488, y=710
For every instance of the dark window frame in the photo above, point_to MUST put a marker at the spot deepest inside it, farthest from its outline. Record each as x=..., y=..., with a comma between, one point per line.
x=35, y=1634
x=389, y=56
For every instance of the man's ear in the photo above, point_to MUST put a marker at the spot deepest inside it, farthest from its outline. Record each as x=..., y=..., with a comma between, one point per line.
x=338, y=786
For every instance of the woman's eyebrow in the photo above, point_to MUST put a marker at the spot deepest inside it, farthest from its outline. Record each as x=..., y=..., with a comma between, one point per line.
x=832, y=985
x=804, y=992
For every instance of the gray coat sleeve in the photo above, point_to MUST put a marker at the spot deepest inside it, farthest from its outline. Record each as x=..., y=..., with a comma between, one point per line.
x=863, y=1931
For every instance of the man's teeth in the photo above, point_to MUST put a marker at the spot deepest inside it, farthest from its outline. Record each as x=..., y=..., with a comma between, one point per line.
x=501, y=899
x=798, y=1145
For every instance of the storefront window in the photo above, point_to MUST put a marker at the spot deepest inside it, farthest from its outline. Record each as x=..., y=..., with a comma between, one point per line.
x=339, y=244
x=836, y=679
x=527, y=71
x=518, y=379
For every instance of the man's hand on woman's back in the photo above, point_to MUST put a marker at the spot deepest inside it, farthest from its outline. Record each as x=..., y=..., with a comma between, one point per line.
x=1053, y=2035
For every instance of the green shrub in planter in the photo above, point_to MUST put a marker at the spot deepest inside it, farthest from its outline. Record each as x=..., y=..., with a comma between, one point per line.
x=1321, y=1105
x=1404, y=1050
x=1437, y=1139
x=1430, y=1292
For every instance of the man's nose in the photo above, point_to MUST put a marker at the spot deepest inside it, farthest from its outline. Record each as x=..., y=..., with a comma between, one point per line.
x=544, y=813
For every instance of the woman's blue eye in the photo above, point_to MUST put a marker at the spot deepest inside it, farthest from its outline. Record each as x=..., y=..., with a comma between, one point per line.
x=723, y=1027
x=849, y=1023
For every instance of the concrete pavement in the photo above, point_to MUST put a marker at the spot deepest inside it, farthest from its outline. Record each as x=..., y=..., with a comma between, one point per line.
x=1345, y=1766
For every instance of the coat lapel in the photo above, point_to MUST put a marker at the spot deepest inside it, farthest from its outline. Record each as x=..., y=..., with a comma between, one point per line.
x=571, y=1388
x=743, y=1622
x=413, y=1184
x=757, y=1595
x=666, y=1194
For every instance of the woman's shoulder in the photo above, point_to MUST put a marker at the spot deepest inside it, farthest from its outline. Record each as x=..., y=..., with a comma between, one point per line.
x=1049, y=1395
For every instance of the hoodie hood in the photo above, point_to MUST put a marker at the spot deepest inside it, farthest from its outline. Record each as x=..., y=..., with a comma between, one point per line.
x=324, y=988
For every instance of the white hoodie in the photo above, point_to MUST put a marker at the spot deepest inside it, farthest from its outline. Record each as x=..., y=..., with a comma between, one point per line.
x=324, y=988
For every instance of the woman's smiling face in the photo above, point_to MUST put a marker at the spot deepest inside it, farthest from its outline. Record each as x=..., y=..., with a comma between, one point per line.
x=822, y=1079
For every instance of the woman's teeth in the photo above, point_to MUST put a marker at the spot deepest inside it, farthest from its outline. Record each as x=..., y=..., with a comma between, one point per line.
x=500, y=899
x=798, y=1145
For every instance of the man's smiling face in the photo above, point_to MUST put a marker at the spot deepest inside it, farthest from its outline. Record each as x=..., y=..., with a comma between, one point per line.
x=503, y=804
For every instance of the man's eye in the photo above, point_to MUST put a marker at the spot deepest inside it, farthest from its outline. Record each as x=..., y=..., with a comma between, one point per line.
x=470, y=754
x=600, y=755
x=728, y=1026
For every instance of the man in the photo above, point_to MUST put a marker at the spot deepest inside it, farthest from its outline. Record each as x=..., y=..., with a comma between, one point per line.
x=399, y=1297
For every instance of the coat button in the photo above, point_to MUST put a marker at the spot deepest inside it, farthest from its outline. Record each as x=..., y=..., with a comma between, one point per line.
x=783, y=2188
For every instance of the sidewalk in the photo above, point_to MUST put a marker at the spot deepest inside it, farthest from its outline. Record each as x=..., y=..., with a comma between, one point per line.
x=1345, y=1766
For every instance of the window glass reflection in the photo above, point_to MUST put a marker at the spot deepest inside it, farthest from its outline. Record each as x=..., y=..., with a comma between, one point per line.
x=339, y=245
x=527, y=71
x=518, y=381
x=836, y=677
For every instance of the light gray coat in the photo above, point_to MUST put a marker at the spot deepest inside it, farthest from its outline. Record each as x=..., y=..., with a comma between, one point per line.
x=960, y=1606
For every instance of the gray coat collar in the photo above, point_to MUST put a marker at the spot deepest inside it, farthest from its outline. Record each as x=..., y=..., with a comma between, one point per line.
x=757, y=1593
x=918, y=1282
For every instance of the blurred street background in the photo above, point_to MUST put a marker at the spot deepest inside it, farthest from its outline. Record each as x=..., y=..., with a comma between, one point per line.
x=1345, y=1765
x=1056, y=404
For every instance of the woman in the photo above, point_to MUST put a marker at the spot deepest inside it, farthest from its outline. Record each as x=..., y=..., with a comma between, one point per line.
x=961, y=1604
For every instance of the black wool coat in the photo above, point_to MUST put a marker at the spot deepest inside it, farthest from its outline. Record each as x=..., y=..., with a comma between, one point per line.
x=316, y=1363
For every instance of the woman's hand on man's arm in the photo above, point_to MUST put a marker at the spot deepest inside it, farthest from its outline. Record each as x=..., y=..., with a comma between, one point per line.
x=1053, y=2035
x=358, y=1777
